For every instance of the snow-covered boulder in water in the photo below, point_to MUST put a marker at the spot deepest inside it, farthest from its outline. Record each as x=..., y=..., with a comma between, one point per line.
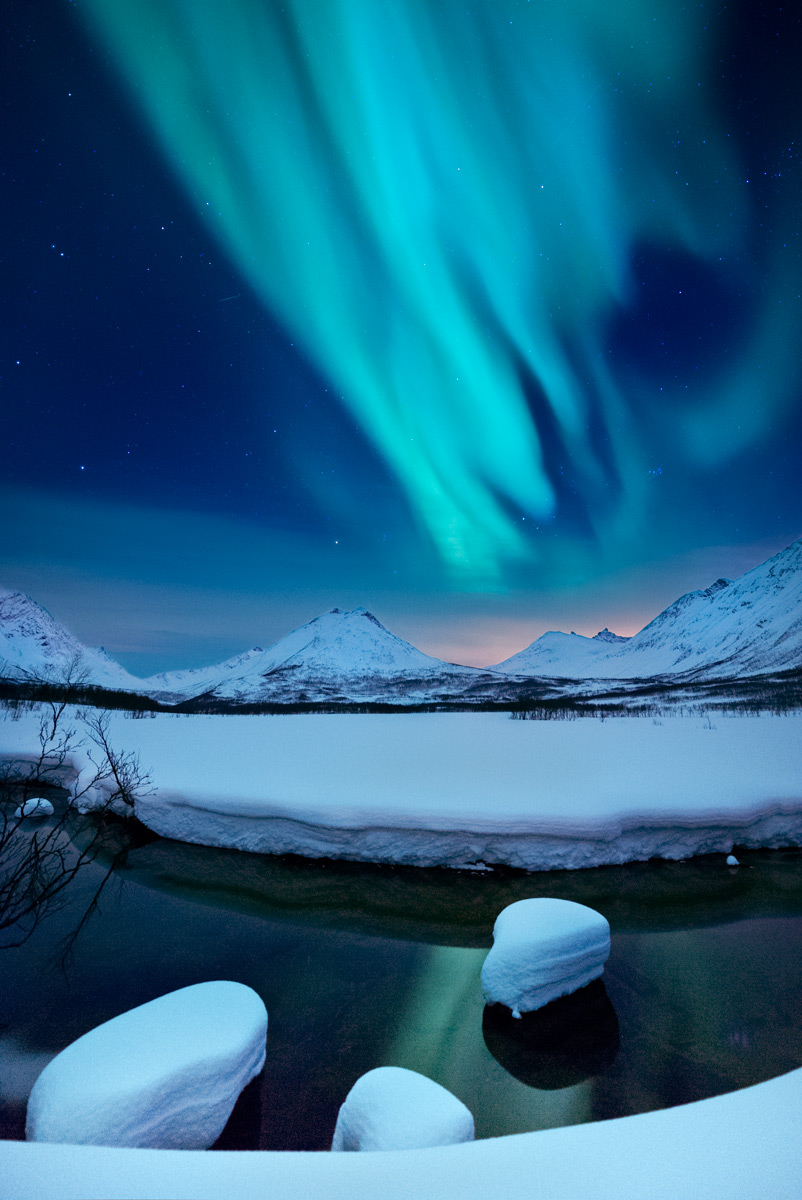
x=543, y=948
x=165, y=1075
x=37, y=807
x=391, y=1108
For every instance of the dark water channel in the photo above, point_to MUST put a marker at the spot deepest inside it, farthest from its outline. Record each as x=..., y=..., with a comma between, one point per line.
x=362, y=966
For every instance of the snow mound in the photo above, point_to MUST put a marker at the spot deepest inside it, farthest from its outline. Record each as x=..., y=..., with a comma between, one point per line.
x=194, y=681
x=391, y=1108
x=543, y=948
x=165, y=1075
x=558, y=654
x=37, y=806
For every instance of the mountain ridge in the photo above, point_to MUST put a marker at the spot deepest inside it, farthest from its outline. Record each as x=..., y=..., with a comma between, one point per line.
x=747, y=626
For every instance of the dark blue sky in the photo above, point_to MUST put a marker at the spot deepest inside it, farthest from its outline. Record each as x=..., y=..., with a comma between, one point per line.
x=210, y=435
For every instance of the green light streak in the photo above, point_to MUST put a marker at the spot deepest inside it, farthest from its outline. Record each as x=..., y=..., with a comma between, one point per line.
x=432, y=199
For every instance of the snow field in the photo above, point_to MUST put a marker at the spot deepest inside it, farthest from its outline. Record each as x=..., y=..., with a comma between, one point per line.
x=457, y=788
x=391, y=1108
x=543, y=948
x=164, y=1075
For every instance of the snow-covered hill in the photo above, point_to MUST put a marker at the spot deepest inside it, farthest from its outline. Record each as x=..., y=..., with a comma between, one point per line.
x=745, y=626
x=33, y=644
x=561, y=654
x=339, y=655
x=194, y=681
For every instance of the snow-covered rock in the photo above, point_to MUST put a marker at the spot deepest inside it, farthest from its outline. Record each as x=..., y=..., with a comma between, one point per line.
x=165, y=1075
x=36, y=807
x=745, y=626
x=35, y=644
x=391, y=1108
x=543, y=948
x=607, y=636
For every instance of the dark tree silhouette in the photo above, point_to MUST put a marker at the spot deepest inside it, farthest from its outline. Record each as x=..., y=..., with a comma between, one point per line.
x=38, y=858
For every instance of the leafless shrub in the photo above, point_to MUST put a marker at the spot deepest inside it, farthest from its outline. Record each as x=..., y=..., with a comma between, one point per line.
x=38, y=858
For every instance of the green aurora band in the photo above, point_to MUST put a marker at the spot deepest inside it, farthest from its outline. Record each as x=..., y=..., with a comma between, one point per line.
x=442, y=206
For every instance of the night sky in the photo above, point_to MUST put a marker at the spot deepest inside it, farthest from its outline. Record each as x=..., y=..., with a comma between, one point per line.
x=485, y=315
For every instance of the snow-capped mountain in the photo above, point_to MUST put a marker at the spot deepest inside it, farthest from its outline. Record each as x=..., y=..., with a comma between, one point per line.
x=561, y=654
x=33, y=644
x=339, y=655
x=747, y=626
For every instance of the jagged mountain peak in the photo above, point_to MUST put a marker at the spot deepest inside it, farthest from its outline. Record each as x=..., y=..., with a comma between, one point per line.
x=11, y=594
x=348, y=614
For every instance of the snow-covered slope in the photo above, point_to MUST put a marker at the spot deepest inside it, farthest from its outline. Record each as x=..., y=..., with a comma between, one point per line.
x=196, y=680
x=745, y=626
x=564, y=654
x=337, y=655
x=34, y=644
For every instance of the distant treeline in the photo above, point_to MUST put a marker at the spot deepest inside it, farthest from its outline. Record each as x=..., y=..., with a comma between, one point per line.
x=546, y=700
x=24, y=694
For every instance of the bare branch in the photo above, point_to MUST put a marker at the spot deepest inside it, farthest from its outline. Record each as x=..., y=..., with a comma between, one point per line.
x=38, y=859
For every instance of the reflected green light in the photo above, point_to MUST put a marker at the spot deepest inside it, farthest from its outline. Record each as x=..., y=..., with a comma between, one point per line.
x=436, y=200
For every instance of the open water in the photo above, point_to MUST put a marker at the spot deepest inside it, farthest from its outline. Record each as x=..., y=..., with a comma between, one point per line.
x=363, y=966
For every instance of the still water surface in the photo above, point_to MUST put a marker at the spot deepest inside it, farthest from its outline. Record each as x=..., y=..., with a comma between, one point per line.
x=362, y=966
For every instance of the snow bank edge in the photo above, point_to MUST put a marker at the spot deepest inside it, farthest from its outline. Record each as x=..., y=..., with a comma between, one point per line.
x=617, y=840
x=731, y=1147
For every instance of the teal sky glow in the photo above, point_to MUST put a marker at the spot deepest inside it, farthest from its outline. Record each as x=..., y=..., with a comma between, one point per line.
x=442, y=206
x=484, y=315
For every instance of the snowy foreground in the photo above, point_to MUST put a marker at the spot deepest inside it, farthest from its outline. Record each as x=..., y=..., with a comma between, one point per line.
x=464, y=788
x=457, y=788
x=732, y=1147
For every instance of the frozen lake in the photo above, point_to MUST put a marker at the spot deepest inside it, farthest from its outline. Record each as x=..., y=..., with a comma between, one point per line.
x=363, y=966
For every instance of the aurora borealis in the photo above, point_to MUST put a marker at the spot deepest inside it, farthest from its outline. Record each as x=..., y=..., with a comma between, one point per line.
x=477, y=312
